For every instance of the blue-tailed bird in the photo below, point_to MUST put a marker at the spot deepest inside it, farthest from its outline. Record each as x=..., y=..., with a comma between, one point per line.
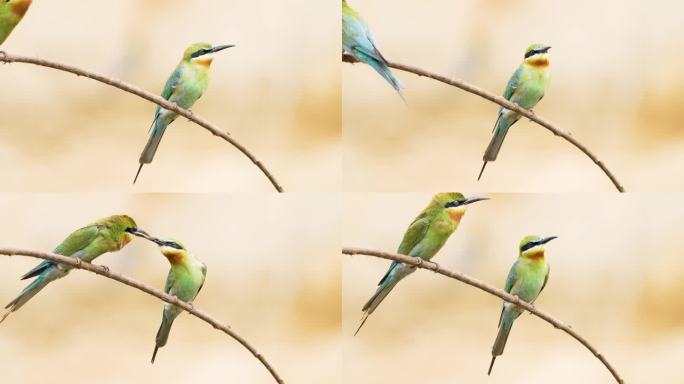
x=185, y=86
x=105, y=235
x=358, y=41
x=525, y=88
x=185, y=280
x=527, y=278
x=424, y=238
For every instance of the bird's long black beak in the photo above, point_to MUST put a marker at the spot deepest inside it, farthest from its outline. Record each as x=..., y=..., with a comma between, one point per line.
x=472, y=199
x=545, y=49
x=221, y=48
x=547, y=239
x=140, y=233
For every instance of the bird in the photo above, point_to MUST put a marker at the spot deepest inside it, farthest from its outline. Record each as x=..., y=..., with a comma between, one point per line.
x=358, y=41
x=109, y=234
x=11, y=13
x=525, y=88
x=184, y=87
x=184, y=281
x=424, y=237
x=527, y=278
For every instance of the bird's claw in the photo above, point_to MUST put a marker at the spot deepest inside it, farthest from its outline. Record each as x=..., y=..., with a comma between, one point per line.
x=105, y=268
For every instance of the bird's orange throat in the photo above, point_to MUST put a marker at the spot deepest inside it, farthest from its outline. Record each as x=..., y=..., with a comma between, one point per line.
x=456, y=214
x=535, y=254
x=204, y=62
x=126, y=239
x=538, y=62
x=174, y=257
x=19, y=8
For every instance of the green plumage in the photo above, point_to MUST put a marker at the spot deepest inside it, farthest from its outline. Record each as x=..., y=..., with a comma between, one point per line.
x=11, y=13
x=525, y=88
x=526, y=279
x=185, y=280
x=184, y=87
x=424, y=237
x=105, y=235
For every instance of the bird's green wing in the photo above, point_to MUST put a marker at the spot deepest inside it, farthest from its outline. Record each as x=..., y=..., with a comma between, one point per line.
x=512, y=278
x=512, y=84
x=169, y=282
x=414, y=234
x=171, y=84
x=72, y=244
x=510, y=282
x=204, y=274
x=78, y=240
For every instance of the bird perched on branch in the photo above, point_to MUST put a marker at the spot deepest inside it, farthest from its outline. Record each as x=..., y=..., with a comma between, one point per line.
x=424, y=238
x=358, y=41
x=185, y=86
x=110, y=234
x=527, y=278
x=11, y=13
x=525, y=88
x=185, y=280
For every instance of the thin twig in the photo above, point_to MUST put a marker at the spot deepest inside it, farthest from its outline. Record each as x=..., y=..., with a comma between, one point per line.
x=458, y=83
x=420, y=263
x=104, y=271
x=9, y=58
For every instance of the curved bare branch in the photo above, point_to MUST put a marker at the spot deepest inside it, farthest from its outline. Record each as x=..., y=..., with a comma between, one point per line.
x=420, y=263
x=458, y=83
x=216, y=131
x=104, y=271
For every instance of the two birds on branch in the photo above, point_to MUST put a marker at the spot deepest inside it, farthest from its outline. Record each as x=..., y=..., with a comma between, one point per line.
x=430, y=230
x=111, y=234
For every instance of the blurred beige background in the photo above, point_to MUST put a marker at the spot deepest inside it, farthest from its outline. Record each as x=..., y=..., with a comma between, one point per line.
x=277, y=92
x=617, y=83
x=273, y=276
x=615, y=278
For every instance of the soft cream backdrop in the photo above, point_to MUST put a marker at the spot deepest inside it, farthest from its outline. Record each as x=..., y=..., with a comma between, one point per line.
x=277, y=92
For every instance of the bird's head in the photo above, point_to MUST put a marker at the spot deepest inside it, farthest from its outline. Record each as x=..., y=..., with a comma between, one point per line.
x=533, y=246
x=123, y=223
x=537, y=55
x=202, y=53
x=18, y=7
x=455, y=203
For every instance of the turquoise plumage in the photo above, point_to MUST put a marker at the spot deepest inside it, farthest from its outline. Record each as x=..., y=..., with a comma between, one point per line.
x=527, y=278
x=358, y=41
x=525, y=88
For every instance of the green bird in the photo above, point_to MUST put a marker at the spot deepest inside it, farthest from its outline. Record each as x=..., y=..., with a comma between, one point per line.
x=185, y=86
x=525, y=88
x=185, y=280
x=358, y=41
x=424, y=238
x=526, y=280
x=11, y=13
x=110, y=234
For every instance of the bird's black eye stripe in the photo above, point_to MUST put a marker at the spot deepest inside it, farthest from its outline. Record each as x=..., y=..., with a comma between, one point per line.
x=529, y=245
x=173, y=245
x=200, y=53
x=454, y=203
x=535, y=51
